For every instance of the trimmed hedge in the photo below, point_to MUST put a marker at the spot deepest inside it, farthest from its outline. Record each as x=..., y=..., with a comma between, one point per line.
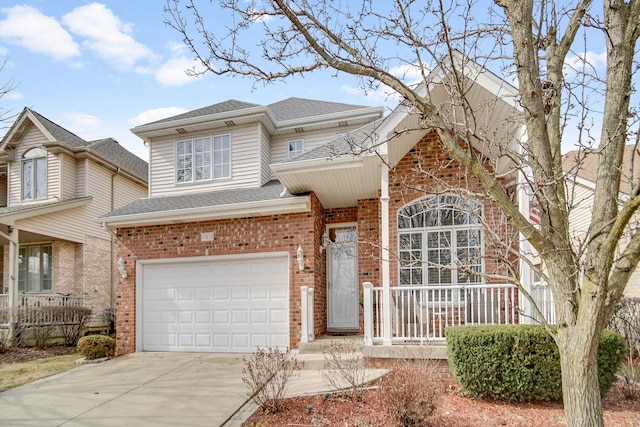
x=519, y=363
x=96, y=346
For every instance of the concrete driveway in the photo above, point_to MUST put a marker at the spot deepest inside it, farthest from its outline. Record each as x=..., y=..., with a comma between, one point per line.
x=142, y=389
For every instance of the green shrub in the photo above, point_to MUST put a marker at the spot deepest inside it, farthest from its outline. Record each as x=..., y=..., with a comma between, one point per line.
x=96, y=346
x=519, y=363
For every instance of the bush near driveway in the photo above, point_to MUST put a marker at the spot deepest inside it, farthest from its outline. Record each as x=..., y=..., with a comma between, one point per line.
x=96, y=346
x=519, y=363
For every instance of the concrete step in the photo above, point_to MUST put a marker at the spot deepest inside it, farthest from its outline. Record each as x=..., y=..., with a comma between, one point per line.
x=318, y=345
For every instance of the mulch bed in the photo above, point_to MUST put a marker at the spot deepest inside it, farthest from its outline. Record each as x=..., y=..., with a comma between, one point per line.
x=25, y=354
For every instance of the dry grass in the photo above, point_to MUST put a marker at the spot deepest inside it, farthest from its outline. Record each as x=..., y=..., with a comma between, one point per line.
x=19, y=373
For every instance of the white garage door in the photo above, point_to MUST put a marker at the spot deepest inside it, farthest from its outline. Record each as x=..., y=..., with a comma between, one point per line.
x=217, y=305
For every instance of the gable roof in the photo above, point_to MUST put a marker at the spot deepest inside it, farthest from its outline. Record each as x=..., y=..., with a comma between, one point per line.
x=60, y=139
x=584, y=164
x=283, y=117
x=221, y=107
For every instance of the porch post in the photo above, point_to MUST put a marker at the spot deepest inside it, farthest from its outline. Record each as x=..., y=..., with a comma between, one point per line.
x=386, y=287
x=304, y=306
x=526, y=311
x=13, y=237
x=368, y=313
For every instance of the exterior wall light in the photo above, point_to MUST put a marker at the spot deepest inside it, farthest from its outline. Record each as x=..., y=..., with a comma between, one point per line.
x=300, y=257
x=121, y=268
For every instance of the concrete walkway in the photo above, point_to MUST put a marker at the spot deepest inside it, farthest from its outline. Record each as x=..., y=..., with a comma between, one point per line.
x=145, y=389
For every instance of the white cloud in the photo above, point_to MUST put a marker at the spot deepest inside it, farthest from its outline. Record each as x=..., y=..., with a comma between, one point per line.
x=591, y=60
x=173, y=72
x=84, y=125
x=106, y=35
x=410, y=73
x=154, y=114
x=28, y=27
x=13, y=95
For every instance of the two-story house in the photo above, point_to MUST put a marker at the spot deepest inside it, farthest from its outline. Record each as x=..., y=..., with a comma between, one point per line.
x=53, y=186
x=264, y=222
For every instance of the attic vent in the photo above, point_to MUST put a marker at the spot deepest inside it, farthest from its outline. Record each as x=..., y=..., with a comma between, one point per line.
x=298, y=130
x=342, y=123
x=181, y=130
x=229, y=123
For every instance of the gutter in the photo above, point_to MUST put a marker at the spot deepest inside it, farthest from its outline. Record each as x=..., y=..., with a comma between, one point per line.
x=206, y=213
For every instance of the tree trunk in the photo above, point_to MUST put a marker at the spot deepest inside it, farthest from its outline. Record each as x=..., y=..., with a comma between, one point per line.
x=580, y=389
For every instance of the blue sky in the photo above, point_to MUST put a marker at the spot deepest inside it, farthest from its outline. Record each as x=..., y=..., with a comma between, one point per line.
x=99, y=69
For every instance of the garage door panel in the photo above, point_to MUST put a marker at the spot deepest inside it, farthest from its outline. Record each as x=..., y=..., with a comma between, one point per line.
x=222, y=306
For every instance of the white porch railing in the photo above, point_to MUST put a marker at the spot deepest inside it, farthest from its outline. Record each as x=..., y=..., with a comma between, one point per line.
x=34, y=301
x=421, y=313
x=542, y=295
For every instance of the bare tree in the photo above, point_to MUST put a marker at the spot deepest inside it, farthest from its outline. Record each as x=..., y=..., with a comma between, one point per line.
x=6, y=116
x=564, y=97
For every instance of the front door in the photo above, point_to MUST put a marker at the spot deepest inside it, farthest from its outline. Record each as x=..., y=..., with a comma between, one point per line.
x=342, y=283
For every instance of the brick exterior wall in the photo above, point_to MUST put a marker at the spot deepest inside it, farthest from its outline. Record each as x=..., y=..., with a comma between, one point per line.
x=427, y=170
x=424, y=170
x=265, y=234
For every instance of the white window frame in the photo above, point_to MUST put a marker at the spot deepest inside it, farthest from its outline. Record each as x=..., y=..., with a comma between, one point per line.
x=205, y=158
x=36, y=159
x=421, y=234
x=298, y=148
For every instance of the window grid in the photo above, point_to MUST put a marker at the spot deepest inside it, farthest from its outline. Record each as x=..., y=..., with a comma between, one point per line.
x=440, y=243
x=201, y=159
x=296, y=147
x=34, y=174
x=35, y=268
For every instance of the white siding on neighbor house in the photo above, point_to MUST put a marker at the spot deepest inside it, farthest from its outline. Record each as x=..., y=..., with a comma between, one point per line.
x=68, y=184
x=280, y=147
x=32, y=139
x=245, y=163
x=127, y=191
x=580, y=220
x=81, y=178
x=3, y=190
x=265, y=155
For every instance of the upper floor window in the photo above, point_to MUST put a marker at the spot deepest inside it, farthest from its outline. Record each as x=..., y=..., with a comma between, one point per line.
x=440, y=244
x=296, y=147
x=34, y=174
x=203, y=158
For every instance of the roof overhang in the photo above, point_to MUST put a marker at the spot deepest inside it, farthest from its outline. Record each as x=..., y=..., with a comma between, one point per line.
x=327, y=178
x=207, y=213
x=20, y=128
x=31, y=211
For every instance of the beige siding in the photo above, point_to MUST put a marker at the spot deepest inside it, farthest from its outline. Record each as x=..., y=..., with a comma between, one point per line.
x=245, y=168
x=3, y=190
x=280, y=149
x=580, y=219
x=265, y=156
x=76, y=224
x=32, y=139
x=126, y=191
x=68, y=184
x=81, y=178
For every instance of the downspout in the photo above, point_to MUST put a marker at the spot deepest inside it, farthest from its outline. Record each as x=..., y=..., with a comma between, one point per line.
x=386, y=257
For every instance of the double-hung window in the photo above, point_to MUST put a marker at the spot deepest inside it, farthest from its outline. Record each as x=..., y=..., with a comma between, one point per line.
x=203, y=158
x=34, y=268
x=34, y=174
x=440, y=245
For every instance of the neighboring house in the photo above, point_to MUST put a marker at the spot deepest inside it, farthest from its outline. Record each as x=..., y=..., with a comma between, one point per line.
x=250, y=207
x=583, y=167
x=53, y=186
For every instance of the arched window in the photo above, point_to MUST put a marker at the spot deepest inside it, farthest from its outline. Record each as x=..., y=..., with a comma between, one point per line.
x=34, y=174
x=440, y=244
